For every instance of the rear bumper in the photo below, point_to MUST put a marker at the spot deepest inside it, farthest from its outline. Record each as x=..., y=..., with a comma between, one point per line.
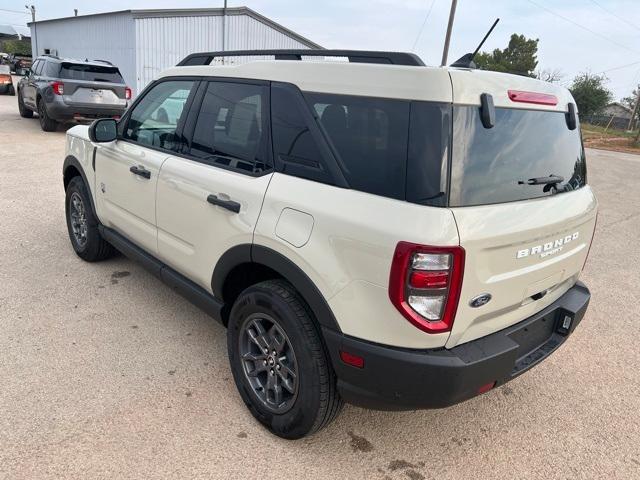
x=59, y=110
x=406, y=379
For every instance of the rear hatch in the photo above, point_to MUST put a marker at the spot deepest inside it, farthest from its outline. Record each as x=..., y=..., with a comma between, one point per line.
x=93, y=85
x=525, y=244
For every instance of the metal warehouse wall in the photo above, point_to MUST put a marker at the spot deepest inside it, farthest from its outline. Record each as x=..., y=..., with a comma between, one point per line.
x=161, y=42
x=104, y=37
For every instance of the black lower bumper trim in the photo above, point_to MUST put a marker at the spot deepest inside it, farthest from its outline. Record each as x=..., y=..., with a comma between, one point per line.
x=407, y=379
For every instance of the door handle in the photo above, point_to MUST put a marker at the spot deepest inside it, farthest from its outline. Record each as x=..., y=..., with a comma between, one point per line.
x=228, y=204
x=141, y=171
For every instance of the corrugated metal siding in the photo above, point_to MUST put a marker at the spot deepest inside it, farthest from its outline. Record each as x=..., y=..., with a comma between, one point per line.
x=163, y=41
x=105, y=37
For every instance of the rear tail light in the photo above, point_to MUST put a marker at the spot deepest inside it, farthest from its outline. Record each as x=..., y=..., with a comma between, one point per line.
x=532, y=97
x=58, y=88
x=127, y=93
x=425, y=283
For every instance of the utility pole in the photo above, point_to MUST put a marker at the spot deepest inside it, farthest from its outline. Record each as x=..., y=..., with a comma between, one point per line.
x=224, y=27
x=32, y=9
x=447, y=40
x=635, y=110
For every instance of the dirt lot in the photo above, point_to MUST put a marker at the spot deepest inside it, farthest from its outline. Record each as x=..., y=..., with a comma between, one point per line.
x=106, y=373
x=613, y=140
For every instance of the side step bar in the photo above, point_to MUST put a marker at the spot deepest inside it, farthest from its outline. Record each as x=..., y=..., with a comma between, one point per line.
x=194, y=293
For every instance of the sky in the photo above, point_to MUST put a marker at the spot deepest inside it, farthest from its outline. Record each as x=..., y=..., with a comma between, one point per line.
x=575, y=35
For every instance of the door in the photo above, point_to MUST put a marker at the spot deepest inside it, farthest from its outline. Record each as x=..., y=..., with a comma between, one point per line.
x=127, y=170
x=30, y=85
x=210, y=198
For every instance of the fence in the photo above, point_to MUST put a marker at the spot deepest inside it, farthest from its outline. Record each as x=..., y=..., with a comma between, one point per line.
x=612, y=122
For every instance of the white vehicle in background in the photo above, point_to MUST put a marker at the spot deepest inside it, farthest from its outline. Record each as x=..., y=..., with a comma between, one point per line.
x=374, y=231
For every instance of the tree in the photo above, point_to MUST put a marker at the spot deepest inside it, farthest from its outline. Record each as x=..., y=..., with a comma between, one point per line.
x=589, y=91
x=548, y=75
x=21, y=47
x=520, y=57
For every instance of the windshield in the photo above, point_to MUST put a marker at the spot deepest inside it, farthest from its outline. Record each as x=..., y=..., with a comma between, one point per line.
x=90, y=73
x=527, y=154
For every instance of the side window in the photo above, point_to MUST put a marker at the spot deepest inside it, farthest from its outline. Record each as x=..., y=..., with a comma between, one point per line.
x=35, y=68
x=296, y=150
x=231, y=128
x=154, y=120
x=371, y=137
x=52, y=70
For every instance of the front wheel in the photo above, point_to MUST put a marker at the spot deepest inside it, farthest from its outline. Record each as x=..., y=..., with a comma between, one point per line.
x=279, y=362
x=25, y=112
x=83, y=225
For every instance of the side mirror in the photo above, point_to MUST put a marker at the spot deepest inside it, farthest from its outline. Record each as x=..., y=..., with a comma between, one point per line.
x=103, y=130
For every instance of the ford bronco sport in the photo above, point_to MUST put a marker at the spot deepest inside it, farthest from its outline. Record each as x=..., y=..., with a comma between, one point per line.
x=375, y=231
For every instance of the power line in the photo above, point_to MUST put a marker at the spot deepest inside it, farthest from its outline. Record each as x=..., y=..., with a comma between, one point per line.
x=615, y=15
x=422, y=27
x=582, y=26
x=13, y=11
x=620, y=67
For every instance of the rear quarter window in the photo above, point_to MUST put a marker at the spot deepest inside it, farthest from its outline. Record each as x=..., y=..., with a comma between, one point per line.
x=370, y=136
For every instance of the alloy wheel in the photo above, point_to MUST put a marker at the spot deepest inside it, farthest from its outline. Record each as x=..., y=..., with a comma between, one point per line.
x=78, y=217
x=269, y=362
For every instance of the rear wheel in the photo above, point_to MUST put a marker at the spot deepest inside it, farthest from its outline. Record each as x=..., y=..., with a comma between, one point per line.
x=46, y=123
x=83, y=225
x=25, y=112
x=279, y=363
x=12, y=90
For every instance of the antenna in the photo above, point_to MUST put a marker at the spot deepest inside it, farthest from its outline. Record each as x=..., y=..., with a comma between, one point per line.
x=466, y=61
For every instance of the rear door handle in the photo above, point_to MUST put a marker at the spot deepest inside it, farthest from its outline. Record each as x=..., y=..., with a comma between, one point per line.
x=141, y=171
x=228, y=204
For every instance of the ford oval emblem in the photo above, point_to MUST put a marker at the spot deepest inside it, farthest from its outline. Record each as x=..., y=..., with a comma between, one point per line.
x=480, y=300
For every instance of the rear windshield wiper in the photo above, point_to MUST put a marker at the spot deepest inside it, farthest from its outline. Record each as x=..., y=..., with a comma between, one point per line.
x=550, y=180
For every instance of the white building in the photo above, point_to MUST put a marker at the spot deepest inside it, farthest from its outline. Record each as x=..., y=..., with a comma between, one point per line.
x=141, y=43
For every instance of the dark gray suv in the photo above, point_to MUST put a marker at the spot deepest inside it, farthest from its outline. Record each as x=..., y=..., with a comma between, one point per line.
x=59, y=90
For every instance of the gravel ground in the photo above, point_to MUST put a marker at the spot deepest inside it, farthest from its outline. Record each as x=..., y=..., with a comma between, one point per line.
x=106, y=373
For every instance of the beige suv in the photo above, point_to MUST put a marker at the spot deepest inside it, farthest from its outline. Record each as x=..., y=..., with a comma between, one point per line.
x=373, y=231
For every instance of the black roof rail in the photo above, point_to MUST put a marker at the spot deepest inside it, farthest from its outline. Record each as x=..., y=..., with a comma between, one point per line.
x=102, y=61
x=354, y=56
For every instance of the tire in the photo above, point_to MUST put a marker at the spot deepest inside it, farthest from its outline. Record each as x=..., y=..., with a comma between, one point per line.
x=46, y=123
x=12, y=90
x=315, y=401
x=82, y=224
x=22, y=108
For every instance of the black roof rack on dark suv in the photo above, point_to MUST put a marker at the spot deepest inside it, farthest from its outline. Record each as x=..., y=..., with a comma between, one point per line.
x=354, y=56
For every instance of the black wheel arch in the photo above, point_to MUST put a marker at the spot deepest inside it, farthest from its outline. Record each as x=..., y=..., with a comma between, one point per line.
x=265, y=263
x=72, y=168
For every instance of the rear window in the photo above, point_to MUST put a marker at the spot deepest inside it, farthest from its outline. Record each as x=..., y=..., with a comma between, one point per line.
x=90, y=73
x=393, y=148
x=494, y=165
x=4, y=70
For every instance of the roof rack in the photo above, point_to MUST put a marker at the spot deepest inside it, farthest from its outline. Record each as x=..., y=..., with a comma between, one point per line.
x=102, y=61
x=354, y=56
